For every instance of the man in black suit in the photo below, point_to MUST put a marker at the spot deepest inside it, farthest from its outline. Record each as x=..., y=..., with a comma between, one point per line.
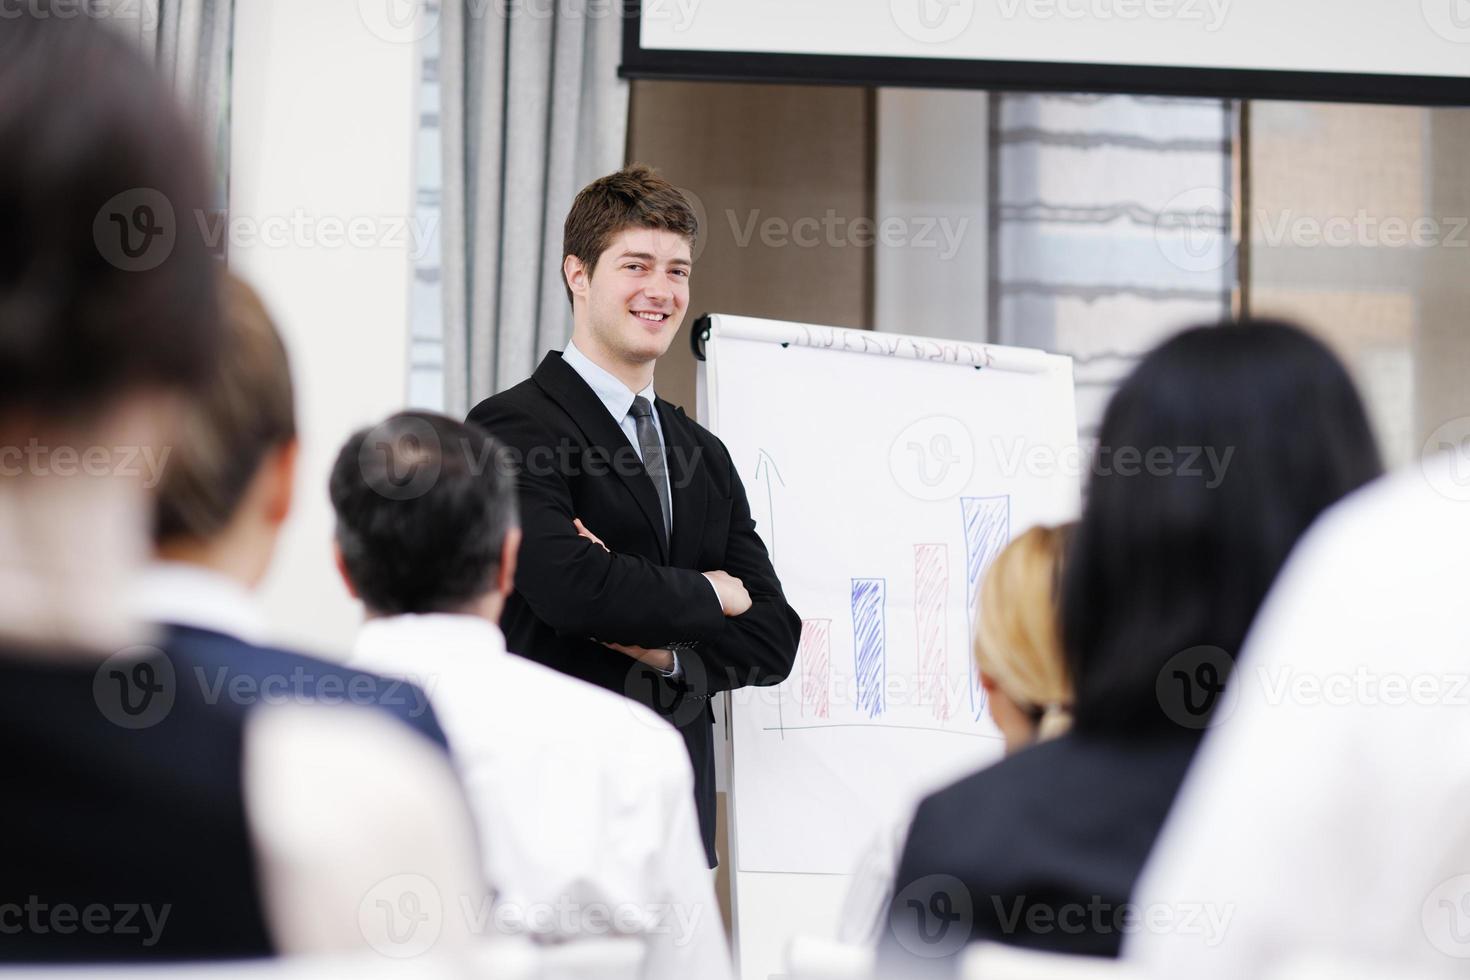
x=225, y=491
x=641, y=570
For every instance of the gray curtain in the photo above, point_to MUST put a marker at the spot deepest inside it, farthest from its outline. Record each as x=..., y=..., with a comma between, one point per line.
x=532, y=110
x=190, y=41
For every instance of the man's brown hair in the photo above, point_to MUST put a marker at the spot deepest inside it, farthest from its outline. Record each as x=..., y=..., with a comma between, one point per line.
x=634, y=197
x=226, y=431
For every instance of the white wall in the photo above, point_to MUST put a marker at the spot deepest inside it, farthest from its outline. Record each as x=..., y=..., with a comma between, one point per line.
x=321, y=166
x=932, y=174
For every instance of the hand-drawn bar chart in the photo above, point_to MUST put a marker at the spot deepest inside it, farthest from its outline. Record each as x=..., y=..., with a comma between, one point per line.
x=814, y=655
x=870, y=641
x=931, y=588
x=987, y=527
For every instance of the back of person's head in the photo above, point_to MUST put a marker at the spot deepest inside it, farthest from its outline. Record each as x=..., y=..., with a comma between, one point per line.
x=1018, y=636
x=425, y=505
x=1214, y=456
x=635, y=197
x=229, y=430
x=103, y=292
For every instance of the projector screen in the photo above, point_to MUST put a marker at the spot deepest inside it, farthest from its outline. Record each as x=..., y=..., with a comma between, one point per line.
x=1415, y=51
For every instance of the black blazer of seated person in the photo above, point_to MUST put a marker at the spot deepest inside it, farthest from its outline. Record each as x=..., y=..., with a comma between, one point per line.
x=1167, y=568
x=625, y=501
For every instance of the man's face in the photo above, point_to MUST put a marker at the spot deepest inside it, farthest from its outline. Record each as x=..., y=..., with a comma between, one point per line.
x=637, y=294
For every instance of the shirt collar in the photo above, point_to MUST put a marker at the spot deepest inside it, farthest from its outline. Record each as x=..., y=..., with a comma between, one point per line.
x=181, y=594
x=613, y=394
x=414, y=637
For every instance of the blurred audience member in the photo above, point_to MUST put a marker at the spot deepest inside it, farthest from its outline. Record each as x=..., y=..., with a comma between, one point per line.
x=584, y=798
x=1324, y=817
x=226, y=491
x=136, y=822
x=1249, y=431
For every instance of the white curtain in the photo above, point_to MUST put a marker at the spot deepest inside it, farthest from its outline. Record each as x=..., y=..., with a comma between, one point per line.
x=531, y=110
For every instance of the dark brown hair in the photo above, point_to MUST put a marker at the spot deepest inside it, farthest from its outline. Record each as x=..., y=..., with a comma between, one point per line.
x=246, y=410
x=634, y=197
x=103, y=288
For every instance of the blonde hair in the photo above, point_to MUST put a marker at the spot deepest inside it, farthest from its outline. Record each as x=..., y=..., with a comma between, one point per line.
x=1018, y=631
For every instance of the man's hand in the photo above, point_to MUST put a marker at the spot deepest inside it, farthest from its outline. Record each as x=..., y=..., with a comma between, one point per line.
x=733, y=597
x=657, y=659
x=582, y=532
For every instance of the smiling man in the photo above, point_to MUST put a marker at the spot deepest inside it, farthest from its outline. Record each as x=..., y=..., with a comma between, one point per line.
x=641, y=570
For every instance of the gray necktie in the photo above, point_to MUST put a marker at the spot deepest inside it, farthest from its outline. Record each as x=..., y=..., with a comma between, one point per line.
x=653, y=456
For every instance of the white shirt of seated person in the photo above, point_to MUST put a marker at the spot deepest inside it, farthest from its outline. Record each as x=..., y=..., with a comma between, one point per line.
x=1325, y=813
x=584, y=799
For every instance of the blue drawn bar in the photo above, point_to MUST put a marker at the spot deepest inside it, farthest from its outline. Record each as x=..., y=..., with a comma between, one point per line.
x=987, y=529
x=869, y=639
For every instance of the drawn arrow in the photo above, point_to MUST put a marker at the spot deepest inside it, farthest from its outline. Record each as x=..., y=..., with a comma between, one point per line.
x=765, y=468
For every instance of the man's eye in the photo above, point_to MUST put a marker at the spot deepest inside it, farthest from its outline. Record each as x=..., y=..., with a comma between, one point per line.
x=682, y=272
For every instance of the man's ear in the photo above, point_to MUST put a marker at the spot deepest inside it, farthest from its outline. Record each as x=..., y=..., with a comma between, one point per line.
x=988, y=682
x=281, y=487
x=505, y=582
x=341, y=564
x=575, y=272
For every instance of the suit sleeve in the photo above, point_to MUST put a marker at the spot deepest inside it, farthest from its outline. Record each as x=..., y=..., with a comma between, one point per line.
x=759, y=647
x=573, y=585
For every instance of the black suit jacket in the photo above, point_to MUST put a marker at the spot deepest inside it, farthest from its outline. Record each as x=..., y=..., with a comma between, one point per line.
x=1040, y=850
x=575, y=462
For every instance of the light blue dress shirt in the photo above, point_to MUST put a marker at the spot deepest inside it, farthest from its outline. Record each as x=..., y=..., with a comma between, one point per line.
x=619, y=400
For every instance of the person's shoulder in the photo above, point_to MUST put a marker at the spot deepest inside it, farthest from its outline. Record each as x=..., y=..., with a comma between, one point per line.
x=523, y=396
x=625, y=725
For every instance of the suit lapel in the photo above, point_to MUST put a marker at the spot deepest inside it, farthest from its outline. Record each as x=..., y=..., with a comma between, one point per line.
x=682, y=455
x=564, y=386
